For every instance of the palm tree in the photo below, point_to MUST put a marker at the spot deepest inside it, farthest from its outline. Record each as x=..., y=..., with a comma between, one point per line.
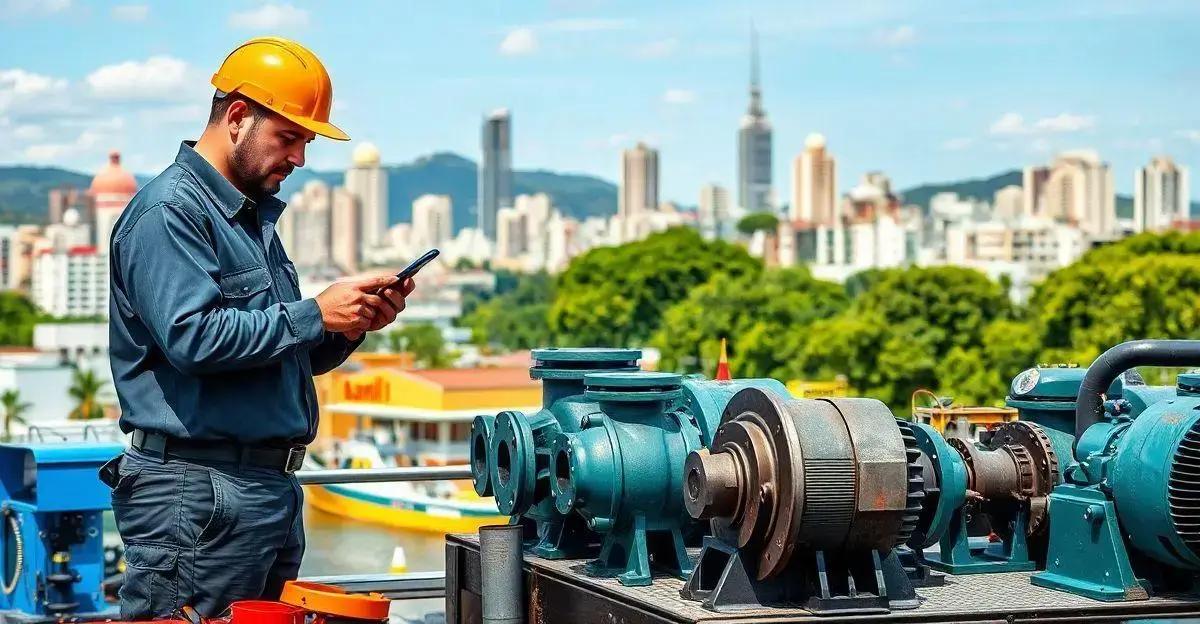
x=84, y=388
x=10, y=401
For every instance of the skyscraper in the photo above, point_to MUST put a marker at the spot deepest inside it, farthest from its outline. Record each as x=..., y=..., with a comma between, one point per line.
x=367, y=181
x=310, y=225
x=639, y=189
x=814, y=184
x=495, y=172
x=754, y=146
x=1079, y=190
x=431, y=221
x=714, y=211
x=1160, y=195
x=345, y=229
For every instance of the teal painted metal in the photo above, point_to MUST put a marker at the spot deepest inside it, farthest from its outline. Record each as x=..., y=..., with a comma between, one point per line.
x=1136, y=487
x=1046, y=396
x=1087, y=555
x=617, y=474
x=949, y=502
x=637, y=416
x=950, y=484
x=510, y=456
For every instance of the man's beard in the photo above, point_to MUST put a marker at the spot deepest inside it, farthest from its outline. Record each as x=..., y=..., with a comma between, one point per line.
x=246, y=165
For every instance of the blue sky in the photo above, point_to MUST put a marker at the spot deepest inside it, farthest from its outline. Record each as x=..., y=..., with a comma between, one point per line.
x=923, y=91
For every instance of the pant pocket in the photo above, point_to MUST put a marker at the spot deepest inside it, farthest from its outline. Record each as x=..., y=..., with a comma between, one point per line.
x=151, y=587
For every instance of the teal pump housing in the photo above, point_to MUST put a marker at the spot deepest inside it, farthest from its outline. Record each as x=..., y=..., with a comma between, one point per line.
x=601, y=464
x=1126, y=522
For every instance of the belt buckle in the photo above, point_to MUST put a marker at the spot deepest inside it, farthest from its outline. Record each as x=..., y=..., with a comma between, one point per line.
x=295, y=459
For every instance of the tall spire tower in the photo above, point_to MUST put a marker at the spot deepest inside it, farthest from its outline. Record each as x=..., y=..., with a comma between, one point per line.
x=754, y=145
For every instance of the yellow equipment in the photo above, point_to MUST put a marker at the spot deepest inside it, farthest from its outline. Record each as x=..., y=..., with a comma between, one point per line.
x=943, y=414
x=801, y=388
x=285, y=77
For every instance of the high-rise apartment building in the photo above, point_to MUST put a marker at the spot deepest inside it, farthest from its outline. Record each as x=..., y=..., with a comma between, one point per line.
x=714, y=212
x=1161, y=196
x=1079, y=190
x=366, y=179
x=311, y=225
x=345, y=228
x=1009, y=202
x=639, y=189
x=814, y=184
x=432, y=224
x=71, y=283
x=495, y=170
x=754, y=146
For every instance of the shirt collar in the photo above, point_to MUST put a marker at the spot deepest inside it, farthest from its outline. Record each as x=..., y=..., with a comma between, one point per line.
x=223, y=193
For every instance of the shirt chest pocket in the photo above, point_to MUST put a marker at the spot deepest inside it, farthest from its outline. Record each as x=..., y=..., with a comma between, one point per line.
x=246, y=288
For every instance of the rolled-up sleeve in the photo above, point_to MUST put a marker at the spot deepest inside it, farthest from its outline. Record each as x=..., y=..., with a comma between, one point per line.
x=169, y=270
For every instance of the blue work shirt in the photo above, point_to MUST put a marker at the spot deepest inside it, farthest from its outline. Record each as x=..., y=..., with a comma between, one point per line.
x=209, y=338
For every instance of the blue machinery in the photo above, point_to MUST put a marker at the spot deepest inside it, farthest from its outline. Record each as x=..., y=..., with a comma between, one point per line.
x=52, y=553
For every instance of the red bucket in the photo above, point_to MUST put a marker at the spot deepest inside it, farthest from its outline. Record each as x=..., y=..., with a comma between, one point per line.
x=265, y=612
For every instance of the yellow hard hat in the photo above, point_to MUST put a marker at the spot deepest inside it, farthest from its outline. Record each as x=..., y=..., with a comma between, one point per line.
x=285, y=77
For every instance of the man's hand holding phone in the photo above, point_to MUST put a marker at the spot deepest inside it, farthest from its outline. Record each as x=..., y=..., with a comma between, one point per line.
x=354, y=306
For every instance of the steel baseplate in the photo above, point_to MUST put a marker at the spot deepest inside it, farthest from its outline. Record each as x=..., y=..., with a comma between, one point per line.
x=1087, y=554
x=865, y=583
x=916, y=566
x=958, y=556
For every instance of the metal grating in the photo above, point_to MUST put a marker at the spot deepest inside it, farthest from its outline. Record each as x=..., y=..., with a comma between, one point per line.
x=1183, y=489
x=975, y=597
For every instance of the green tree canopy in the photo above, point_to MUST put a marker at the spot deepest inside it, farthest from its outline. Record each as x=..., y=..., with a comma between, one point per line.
x=757, y=221
x=424, y=341
x=18, y=315
x=893, y=337
x=85, y=389
x=761, y=316
x=617, y=295
x=516, y=319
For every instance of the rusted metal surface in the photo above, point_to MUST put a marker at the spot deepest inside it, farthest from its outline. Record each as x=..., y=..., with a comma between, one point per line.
x=784, y=473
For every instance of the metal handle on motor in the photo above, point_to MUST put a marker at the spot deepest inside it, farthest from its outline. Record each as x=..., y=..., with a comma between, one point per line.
x=1089, y=404
x=500, y=573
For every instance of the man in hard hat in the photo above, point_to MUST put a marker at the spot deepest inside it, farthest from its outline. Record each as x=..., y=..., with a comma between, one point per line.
x=214, y=351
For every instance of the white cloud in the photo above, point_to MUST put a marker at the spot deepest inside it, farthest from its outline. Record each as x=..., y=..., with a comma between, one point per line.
x=1066, y=122
x=1008, y=123
x=1191, y=135
x=158, y=77
x=657, y=49
x=28, y=132
x=270, y=16
x=896, y=37
x=1014, y=123
x=957, y=144
x=519, y=42
x=53, y=152
x=10, y=8
x=19, y=86
x=678, y=96
x=131, y=12
x=587, y=24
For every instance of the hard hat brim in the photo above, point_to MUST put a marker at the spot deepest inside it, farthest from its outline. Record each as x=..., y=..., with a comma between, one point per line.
x=322, y=128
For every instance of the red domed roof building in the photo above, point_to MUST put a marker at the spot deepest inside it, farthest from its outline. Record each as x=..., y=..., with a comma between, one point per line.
x=111, y=190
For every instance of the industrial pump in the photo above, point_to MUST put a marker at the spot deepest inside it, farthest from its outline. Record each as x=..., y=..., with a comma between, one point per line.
x=602, y=461
x=807, y=500
x=1126, y=522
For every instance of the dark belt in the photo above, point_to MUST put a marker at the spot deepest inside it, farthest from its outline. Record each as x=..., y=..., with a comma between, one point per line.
x=286, y=459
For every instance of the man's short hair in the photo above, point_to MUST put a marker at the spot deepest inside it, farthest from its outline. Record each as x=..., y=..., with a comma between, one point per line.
x=222, y=101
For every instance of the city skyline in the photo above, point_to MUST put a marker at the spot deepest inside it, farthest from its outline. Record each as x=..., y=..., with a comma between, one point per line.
x=915, y=92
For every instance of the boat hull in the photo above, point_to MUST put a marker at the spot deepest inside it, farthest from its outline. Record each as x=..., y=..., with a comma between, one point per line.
x=364, y=507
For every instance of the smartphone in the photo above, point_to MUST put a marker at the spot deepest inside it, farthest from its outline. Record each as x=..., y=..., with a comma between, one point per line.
x=413, y=268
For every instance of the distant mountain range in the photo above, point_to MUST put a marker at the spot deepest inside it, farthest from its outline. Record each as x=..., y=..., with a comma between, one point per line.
x=576, y=195
x=24, y=190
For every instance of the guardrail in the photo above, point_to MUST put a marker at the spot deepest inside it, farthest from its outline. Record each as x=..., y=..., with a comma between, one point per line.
x=383, y=475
